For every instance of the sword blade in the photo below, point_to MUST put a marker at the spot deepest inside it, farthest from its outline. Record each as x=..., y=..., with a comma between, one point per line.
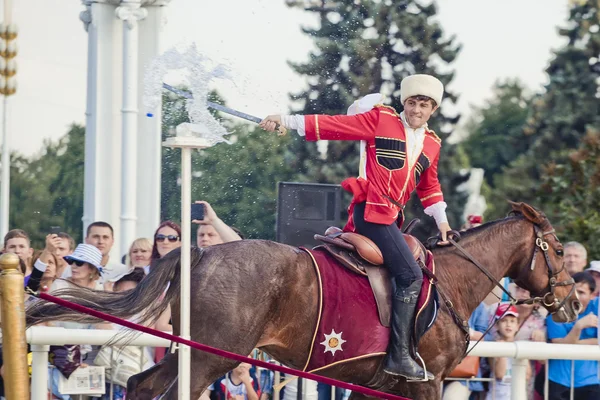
x=214, y=106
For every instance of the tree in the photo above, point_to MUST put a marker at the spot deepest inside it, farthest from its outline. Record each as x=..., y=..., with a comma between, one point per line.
x=495, y=132
x=47, y=188
x=571, y=190
x=67, y=187
x=561, y=116
x=366, y=47
x=238, y=180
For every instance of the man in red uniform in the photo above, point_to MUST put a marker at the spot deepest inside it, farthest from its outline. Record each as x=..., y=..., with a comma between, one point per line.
x=399, y=154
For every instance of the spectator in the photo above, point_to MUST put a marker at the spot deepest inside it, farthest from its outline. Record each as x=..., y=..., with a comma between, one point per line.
x=85, y=271
x=85, y=268
x=166, y=238
x=583, y=331
x=508, y=325
x=51, y=262
x=65, y=247
x=594, y=270
x=101, y=235
x=212, y=230
x=140, y=253
x=575, y=257
x=17, y=241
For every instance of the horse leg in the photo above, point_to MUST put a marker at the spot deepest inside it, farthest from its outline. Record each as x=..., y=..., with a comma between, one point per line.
x=205, y=369
x=359, y=396
x=150, y=383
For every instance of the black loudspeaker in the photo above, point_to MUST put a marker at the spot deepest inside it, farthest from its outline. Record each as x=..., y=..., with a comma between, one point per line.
x=304, y=209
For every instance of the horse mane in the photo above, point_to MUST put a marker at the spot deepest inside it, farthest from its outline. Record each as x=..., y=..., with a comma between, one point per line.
x=520, y=211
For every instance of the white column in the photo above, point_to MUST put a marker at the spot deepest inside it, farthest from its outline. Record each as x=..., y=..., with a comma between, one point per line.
x=90, y=114
x=5, y=178
x=130, y=13
x=102, y=176
x=149, y=149
x=39, y=371
x=519, y=379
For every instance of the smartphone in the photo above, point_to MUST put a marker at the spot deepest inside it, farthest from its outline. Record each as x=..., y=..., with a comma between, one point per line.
x=55, y=230
x=197, y=212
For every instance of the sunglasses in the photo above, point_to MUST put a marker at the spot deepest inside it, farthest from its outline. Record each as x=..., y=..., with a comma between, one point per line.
x=76, y=262
x=170, y=238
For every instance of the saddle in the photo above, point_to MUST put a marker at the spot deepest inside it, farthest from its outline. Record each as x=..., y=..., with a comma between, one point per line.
x=362, y=256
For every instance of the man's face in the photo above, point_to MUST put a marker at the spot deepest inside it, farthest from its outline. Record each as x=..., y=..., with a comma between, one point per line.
x=207, y=236
x=101, y=237
x=418, y=112
x=584, y=293
x=20, y=247
x=63, y=250
x=596, y=276
x=575, y=260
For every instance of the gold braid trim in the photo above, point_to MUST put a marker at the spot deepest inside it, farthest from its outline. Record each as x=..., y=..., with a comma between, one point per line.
x=388, y=107
x=434, y=136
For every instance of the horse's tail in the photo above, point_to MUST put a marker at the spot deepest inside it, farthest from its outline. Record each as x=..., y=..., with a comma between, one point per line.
x=145, y=301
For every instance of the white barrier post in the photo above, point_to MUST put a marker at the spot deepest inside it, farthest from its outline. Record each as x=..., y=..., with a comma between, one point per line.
x=39, y=371
x=186, y=143
x=519, y=379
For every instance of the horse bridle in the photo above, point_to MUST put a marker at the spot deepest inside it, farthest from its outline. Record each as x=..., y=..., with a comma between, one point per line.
x=549, y=300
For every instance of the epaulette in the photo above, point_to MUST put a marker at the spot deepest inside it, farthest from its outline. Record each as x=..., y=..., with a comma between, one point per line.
x=388, y=107
x=434, y=136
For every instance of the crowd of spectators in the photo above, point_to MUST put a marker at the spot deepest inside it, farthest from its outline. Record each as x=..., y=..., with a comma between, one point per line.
x=62, y=263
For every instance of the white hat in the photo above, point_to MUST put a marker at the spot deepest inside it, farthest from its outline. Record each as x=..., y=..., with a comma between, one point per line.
x=594, y=267
x=88, y=254
x=421, y=85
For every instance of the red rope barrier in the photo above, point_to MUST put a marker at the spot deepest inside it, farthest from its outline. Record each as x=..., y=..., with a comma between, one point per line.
x=219, y=352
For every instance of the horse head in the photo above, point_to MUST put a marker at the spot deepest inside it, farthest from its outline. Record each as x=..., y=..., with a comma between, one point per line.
x=545, y=275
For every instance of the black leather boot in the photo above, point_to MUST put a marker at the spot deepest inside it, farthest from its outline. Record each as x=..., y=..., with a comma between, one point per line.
x=399, y=361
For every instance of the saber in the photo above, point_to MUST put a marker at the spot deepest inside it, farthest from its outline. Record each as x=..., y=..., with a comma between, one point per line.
x=214, y=106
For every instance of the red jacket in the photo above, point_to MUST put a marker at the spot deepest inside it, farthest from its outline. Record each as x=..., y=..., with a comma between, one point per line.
x=386, y=173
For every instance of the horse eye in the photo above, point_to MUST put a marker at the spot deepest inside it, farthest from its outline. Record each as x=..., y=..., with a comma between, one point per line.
x=560, y=252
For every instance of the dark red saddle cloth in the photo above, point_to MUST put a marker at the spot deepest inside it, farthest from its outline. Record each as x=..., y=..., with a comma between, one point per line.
x=348, y=326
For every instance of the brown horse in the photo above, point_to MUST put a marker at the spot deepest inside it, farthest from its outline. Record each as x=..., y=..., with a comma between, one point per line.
x=261, y=294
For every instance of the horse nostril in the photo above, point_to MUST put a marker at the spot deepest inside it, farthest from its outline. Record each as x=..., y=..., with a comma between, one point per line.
x=576, y=306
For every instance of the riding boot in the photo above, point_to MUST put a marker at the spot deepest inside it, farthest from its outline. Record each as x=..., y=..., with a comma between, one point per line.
x=399, y=360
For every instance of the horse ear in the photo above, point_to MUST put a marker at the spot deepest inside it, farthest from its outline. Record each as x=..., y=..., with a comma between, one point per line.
x=531, y=213
x=516, y=207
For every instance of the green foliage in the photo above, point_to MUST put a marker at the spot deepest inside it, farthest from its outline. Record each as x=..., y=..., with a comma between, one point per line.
x=571, y=190
x=47, y=189
x=366, y=47
x=238, y=180
x=496, y=136
x=558, y=118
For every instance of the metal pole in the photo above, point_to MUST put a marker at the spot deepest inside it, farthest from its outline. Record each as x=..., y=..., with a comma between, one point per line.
x=186, y=201
x=519, y=379
x=14, y=345
x=39, y=371
x=5, y=183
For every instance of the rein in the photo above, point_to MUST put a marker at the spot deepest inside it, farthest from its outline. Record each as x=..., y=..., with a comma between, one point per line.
x=549, y=300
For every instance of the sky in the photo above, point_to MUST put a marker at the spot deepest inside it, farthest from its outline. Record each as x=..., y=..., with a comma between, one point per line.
x=255, y=39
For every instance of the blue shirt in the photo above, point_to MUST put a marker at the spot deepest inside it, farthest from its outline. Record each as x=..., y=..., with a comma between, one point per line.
x=478, y=321
x=586, y=371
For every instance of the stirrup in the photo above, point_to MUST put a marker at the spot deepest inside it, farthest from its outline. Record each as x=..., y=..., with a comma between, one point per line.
x=425, y=379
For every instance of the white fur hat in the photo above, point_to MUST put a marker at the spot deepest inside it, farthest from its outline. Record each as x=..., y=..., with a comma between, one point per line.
x=423, y=85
